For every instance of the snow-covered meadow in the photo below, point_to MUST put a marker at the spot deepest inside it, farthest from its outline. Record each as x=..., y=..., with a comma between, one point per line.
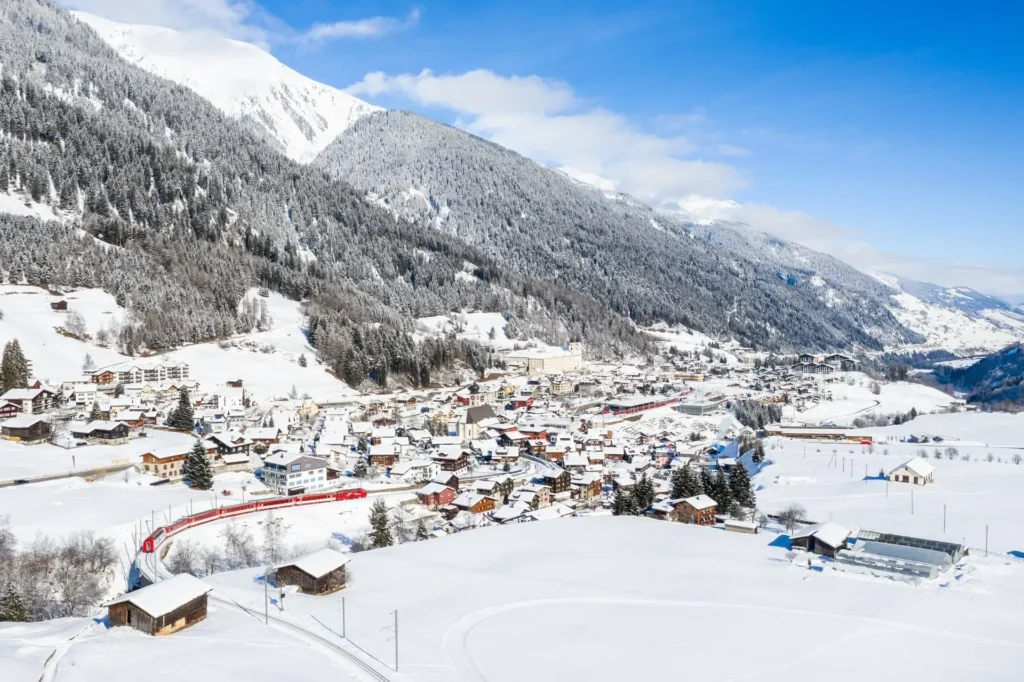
x=841, y=482
x=544, y=601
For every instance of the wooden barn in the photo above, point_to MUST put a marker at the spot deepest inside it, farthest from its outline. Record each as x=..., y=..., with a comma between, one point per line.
x=162, y=608
x=825, y=539
x=321, y=572
x=26, y=428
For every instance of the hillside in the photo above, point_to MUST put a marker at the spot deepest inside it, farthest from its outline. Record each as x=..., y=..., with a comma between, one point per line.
x=958, y=319
x=996, y=379
x=549, y=226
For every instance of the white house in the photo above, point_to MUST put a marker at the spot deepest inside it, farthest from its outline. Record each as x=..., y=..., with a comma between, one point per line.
x=917, y=471
x=291, y=474
x=415, y=470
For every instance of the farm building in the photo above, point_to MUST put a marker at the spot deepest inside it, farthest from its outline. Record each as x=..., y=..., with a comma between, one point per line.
x=900, y=556
x=321, y=572
x=741, y=526
x=103, y=432
x=162, y=608
x=26, y=428
x=917, y=471
x=821, y=538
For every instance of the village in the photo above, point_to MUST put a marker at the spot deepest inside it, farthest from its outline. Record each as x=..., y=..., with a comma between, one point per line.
x=232, y=490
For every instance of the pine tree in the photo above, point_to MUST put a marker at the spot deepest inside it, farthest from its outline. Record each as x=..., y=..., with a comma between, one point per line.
x=380, y=525
x=293, y=394
x=183, y=416
x=721, y=488
x=12, y=606
x=421, y=531
x=742, y=492
x=705, y=482
x=119, y=390
x=88, y=364
x=621, y=504
x=684, y=484
x=302, y=360
x=197, y=469
x=14, y=367
x=360, y=469
x=95, y=414
x=643, y=494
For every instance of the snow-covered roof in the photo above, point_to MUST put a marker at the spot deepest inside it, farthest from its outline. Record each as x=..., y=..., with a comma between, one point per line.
x=433, y=488
x=163, y=597
x=832, y=534
x=319, y=563
x=23, y=421
x=918, y=465
x=263, y=433
x=700, y=502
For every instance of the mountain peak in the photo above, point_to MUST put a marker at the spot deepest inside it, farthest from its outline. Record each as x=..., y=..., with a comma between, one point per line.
x=294, y=113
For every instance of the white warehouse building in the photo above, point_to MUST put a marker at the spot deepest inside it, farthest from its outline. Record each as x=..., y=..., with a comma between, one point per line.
x=550, y=360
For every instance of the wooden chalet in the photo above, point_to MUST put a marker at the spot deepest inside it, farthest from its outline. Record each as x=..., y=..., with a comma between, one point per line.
x=31, y=400
x=162, y=608
x=59, y=306
x=557, y=479
x=230, y=443
x=435, y=495
x=26, y=428
x=8, y=410
x=321, y=572
x=475, y=503
x=102, y=432
x=699, y=509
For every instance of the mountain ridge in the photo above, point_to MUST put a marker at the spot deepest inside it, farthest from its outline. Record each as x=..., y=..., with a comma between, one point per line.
x=296, y=114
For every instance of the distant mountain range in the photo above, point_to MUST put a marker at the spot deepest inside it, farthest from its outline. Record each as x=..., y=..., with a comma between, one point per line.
x=383, y=216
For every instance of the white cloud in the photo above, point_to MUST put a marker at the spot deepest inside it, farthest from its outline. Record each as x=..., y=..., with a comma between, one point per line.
x=239, y=19
x=374, y=27
x=546, y=121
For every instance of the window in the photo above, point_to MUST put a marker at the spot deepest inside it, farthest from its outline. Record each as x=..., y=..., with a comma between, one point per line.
x=296, y=467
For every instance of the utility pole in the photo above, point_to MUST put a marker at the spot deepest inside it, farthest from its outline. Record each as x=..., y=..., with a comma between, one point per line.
x=396, y=630
x=266, y=598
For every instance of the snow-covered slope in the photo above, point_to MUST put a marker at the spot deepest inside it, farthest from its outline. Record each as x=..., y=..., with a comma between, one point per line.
x=296, y=113
x=958, y=320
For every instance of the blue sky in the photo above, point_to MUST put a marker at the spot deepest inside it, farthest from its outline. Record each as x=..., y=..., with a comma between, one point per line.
x=886, y=133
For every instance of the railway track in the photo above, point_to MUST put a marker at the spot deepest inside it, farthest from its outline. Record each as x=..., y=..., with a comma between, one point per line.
x=311, y=636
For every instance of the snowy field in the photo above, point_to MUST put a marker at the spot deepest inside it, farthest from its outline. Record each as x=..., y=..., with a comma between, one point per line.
x=975, y=493
x=266, y=375
x=690, y=341
x=306, y=529
x=25, y=461
x=469, y=326
x=228, y=645
x=109, y=506
x=25, y=647
x=542, y=601
x=995, y=429
x=27, y=317
x=855, y=399
x=267, y=361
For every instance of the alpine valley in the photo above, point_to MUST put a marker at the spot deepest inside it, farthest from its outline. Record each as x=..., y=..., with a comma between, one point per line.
x=149, y=163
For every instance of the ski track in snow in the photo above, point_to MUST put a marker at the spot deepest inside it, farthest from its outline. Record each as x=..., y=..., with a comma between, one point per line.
x=457, y=649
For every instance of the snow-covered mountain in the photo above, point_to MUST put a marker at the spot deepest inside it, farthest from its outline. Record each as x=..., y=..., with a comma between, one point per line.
x=957, y=319
x=294, y=113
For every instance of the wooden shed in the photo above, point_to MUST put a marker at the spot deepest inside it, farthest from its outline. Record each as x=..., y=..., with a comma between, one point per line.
x=825, y=539
x=321, y=572
x=162, y=608
x=26, y=428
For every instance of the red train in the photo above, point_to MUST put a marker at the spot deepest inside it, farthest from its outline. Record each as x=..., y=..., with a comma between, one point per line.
x=150, y=543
